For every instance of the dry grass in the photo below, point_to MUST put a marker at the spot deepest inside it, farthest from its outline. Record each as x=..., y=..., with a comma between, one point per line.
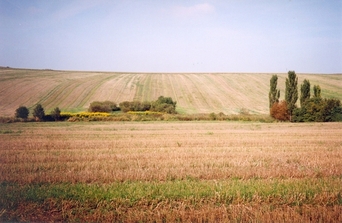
x=171, y=171
x=194, y=93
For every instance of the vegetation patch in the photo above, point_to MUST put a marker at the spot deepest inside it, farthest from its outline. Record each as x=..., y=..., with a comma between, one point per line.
x=87, y=200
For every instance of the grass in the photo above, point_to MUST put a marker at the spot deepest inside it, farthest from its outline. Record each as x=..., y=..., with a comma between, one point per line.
x=136, y=201
x=281, y=192
x=171, y=171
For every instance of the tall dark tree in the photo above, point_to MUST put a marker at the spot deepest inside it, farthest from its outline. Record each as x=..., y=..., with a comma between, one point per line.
x=304, y=92
x=317, y=91
x=274, y=93
x=22, y=112
x=38, y=112
x=291, y=92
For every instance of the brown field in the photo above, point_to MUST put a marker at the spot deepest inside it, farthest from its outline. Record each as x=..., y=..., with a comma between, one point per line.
x=171, y=171
x=194, y=93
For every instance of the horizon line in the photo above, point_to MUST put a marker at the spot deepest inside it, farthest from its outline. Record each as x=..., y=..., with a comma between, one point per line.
x=162, y=72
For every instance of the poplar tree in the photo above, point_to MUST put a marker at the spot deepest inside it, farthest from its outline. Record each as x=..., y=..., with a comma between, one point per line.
x=304, y=92
x=317, y=91
x=291, y=92
x=274, y=93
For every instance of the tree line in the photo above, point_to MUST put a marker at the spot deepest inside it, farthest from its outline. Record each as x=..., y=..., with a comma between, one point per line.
x=162, y=104
x=38, y=113
x=312, y=109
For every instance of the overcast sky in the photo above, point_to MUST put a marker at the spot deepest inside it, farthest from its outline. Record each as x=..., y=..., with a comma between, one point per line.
x=172, y=36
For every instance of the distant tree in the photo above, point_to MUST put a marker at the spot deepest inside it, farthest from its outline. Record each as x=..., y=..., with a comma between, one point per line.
x=38, y=112
x=22, y=112
x=317, y=91
x=274, y=93
x=165, y=100
x=56, y=114
x=291, y=92
x=279, y=111
x=304, y=92
x=164, y=104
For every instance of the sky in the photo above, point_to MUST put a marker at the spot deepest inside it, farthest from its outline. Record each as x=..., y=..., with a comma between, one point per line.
x=172, y=36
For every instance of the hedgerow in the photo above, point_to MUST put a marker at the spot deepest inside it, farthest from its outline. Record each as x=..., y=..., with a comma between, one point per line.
x=162, y=104
x=103, y=106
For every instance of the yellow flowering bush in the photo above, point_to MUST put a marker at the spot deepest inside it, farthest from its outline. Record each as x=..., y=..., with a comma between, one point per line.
x=67, y=115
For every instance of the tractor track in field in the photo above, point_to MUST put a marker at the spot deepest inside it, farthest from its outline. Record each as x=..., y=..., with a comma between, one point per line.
x=200, y=100
x=60, y=96
x=190, y=93
x=110, y=90
x=88, y=95
x=172, y=87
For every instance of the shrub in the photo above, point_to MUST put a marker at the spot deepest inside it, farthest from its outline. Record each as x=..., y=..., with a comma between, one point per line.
x=125, y=106
x=212, y=116
x=164, y=104
x=22, y=112
x=103, y=106
x=137, y=106
x=49, y=118
x=332, y=110
x=317, y=109
x=56, y=114
x=279, y=111
x=336, y=114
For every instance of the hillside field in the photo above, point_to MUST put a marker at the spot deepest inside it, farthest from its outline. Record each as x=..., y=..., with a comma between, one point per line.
x=194, y=92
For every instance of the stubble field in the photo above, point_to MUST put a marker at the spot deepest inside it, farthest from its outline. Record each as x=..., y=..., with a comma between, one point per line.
x=171, y=171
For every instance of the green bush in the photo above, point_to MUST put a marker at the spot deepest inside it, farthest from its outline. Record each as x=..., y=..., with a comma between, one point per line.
x=103, y=106
x=127, y=106
x=22, y=112
x=317, y=109
x=162, y=104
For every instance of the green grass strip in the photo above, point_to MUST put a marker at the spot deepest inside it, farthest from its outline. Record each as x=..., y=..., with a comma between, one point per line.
x=293, y=192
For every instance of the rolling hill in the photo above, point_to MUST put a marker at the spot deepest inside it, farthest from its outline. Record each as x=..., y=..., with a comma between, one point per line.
x=194, y=92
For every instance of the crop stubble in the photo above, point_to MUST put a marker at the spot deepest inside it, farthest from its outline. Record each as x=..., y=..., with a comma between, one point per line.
x=160, y=151
x=304, y=158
